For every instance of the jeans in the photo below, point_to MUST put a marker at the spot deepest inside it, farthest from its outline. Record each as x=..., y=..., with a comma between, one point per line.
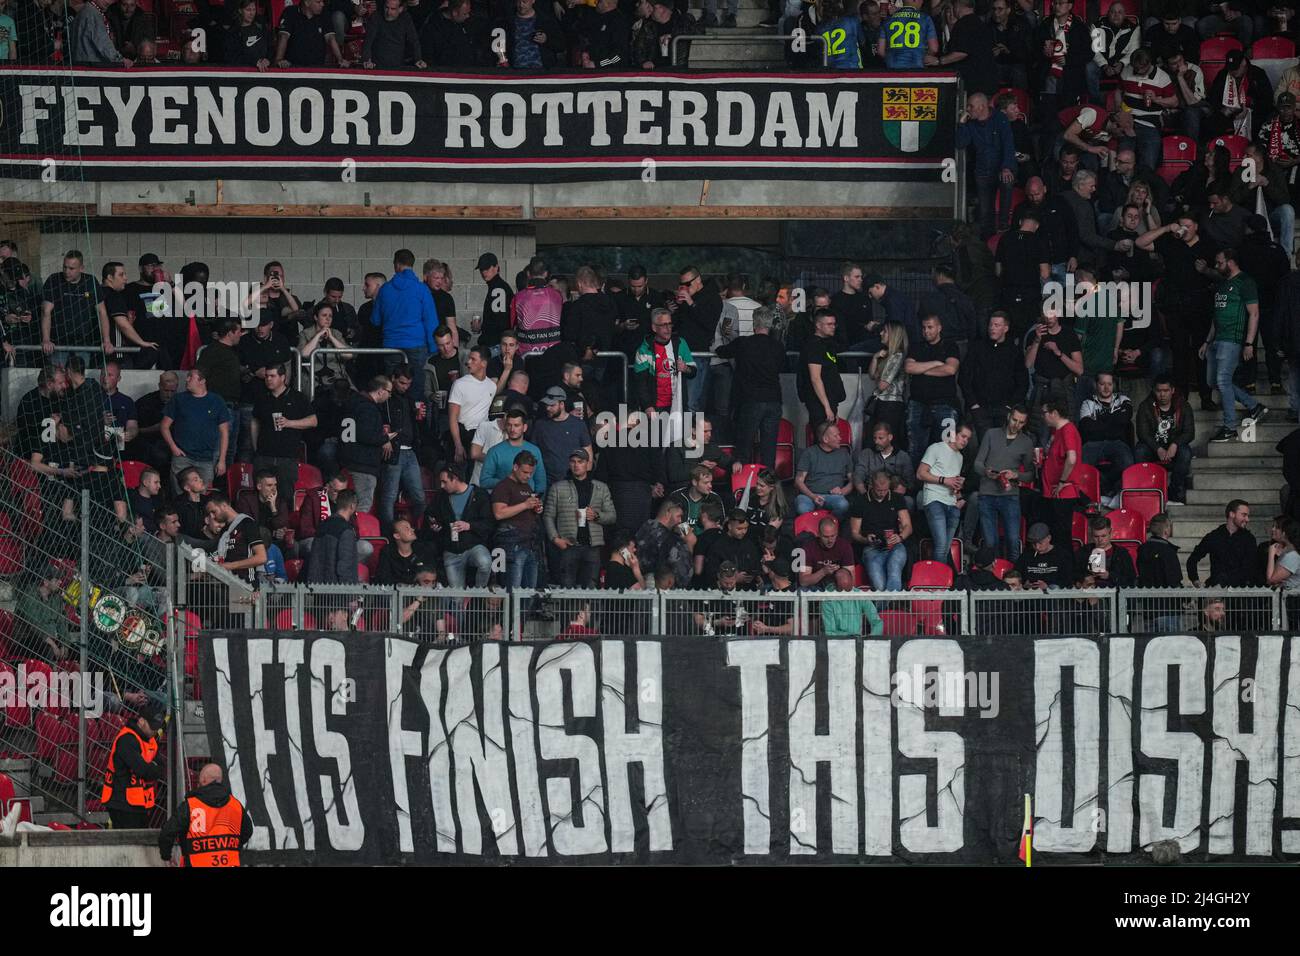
x=364, y=485
x=1283, y=219
x=478, y=557
x=697, y=391
x=838, y=505
x=417, y=359
x=1149, y=146
x=1179, y=468
x=1221, y=360
x=885, y=566
x=943, y=528
x=1193, y=116
x=763, y=418
x=576, y=566
x=1003, y=510
x=994, y=196
x=925, y=425
x=1120, y=456
x=401, y=473
x=232, y=445
x=722, y=376
x=521, y=561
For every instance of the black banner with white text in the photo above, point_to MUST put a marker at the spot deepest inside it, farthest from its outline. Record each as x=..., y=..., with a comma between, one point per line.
x=373, y=749
x=349, y=126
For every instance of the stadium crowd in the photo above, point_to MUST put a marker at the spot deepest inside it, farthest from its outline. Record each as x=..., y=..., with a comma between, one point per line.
x=514, y=459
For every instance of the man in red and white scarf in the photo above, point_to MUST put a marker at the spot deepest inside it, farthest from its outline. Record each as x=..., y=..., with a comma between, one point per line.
x=1066, y=43
x=1240, y=94
x=1280, y=137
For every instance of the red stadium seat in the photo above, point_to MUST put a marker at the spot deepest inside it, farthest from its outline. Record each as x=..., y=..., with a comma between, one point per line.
x=131, y=472
x=1132, y=9
x=1273, y=48
x=810, y=522
x=363, y=574
x=373, y=561
x=1087, y=480
x=14, y=713
x=367, y=525
x=993, y=241
x=860, y=579
x=8, y=648
x=898, y=623
x=785, y=450
x=1214, y=54
x=1178, y=154
x=1000, y=567
x=741, y=478
x=846, y=434
x=1144, y=489
x=309, y=477
x=284, y=620
x=1131, y=547
x=9, y=797
x=11, y=550
x=930, y=576
x=1236, y=146
x=955, y=553
x=1078, y=530
x=1017, y=197
x=293, y=568
x=239, y=477
x=1127, y=526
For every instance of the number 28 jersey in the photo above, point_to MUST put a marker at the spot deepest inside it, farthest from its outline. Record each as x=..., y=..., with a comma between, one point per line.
x=844, y=40
x=907, y=35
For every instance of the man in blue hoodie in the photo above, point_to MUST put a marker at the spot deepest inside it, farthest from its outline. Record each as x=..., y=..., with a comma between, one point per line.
x=989, y=131
x=405, y=313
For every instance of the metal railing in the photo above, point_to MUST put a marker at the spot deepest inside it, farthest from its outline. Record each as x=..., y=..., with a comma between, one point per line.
x=736, y=38
x=310, y=380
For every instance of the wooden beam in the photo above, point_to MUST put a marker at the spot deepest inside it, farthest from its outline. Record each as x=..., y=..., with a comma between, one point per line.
x=741, y=212
x=47, y=210
x=322, y=211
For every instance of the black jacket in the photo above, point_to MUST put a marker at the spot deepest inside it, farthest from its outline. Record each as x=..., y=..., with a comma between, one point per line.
x=215, y=795
x=333, y=555
x=478, y=512
x=588, y=322
x=1119, y=567
x=445, y=44
x=1232, y=558
x=993, y=375
x=697, y=323
x=364, y=454
x=1112, y=422
x=552, y=51
x=1158, y=566
x=760, y=359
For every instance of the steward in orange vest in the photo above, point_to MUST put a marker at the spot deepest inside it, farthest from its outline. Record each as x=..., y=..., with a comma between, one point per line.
x=210, y=824
x=134, y=767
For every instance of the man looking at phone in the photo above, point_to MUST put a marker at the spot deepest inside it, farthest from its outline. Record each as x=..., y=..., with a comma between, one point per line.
x=517, y=510
x=879, y=520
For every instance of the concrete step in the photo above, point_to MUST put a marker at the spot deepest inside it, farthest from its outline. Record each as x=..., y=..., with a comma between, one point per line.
x=708, y=53
x=1267, y=433
x=1263, y=450
x=1264, y=497
x=1218, y=481
x=1235, y=464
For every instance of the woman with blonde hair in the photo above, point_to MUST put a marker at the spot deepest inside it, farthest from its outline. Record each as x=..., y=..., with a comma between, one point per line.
x=888, y=403
x=1139, y=194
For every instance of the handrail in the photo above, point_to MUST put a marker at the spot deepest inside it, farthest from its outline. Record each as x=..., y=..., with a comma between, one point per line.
x=125, y=349
x=750, y=38
x=311, y=363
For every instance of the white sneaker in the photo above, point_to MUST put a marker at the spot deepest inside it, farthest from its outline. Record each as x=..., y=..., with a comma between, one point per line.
x=1111, y=502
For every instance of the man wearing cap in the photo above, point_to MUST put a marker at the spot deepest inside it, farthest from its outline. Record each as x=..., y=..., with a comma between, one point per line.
x=134, y=767
x=1043, y=565
x=1241, y=98
x=574, y=514
x=496, y=304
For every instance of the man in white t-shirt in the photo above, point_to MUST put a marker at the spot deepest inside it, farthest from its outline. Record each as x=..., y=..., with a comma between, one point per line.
x=737, y=319
x=486, y=437
x=469, y=403
x=940, y=476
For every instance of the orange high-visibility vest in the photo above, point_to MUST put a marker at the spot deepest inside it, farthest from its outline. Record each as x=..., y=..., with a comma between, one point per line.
x=213, y=835
x=139, y=793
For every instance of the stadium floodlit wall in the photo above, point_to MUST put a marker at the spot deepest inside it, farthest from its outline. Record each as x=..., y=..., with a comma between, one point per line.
x=499, y=147
x=761, y=750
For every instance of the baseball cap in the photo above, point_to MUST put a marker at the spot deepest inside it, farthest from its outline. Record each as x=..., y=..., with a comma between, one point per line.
x=486, y=261
x=1286, y=99
x=1037, y=532
x=150, y=259
x=580, y=454
x=1234, y=60
x=554, y=396
x=154, y=713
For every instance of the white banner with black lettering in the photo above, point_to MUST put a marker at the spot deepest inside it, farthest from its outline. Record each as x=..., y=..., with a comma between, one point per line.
x=374, y=749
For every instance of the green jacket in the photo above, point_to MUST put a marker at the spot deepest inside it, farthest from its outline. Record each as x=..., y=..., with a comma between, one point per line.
x=560, y=512
x=844, y=618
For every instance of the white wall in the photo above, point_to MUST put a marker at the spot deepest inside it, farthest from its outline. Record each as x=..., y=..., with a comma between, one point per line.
x=311, y=251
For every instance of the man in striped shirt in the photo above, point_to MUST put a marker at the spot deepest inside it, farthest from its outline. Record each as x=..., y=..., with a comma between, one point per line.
x=1146, y=90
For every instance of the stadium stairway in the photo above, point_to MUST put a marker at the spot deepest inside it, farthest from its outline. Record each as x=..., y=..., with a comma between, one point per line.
x=714, y=52
x=1252, y=471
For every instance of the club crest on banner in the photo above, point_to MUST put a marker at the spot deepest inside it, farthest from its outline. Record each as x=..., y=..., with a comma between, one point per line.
x=911, y=116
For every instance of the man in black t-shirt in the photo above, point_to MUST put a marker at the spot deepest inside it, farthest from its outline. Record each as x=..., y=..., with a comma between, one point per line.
x=852, y=307
x=1023, y=264
x=240, y=549
x=281, y=415
x=1184, y=303
x=931, y=365
x=818, y=381
x=880, y=522
x=970, y=49
x=1056, y=359
x=120, y=307
x=305, y=37
x=496, y=304
x=72, y=308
